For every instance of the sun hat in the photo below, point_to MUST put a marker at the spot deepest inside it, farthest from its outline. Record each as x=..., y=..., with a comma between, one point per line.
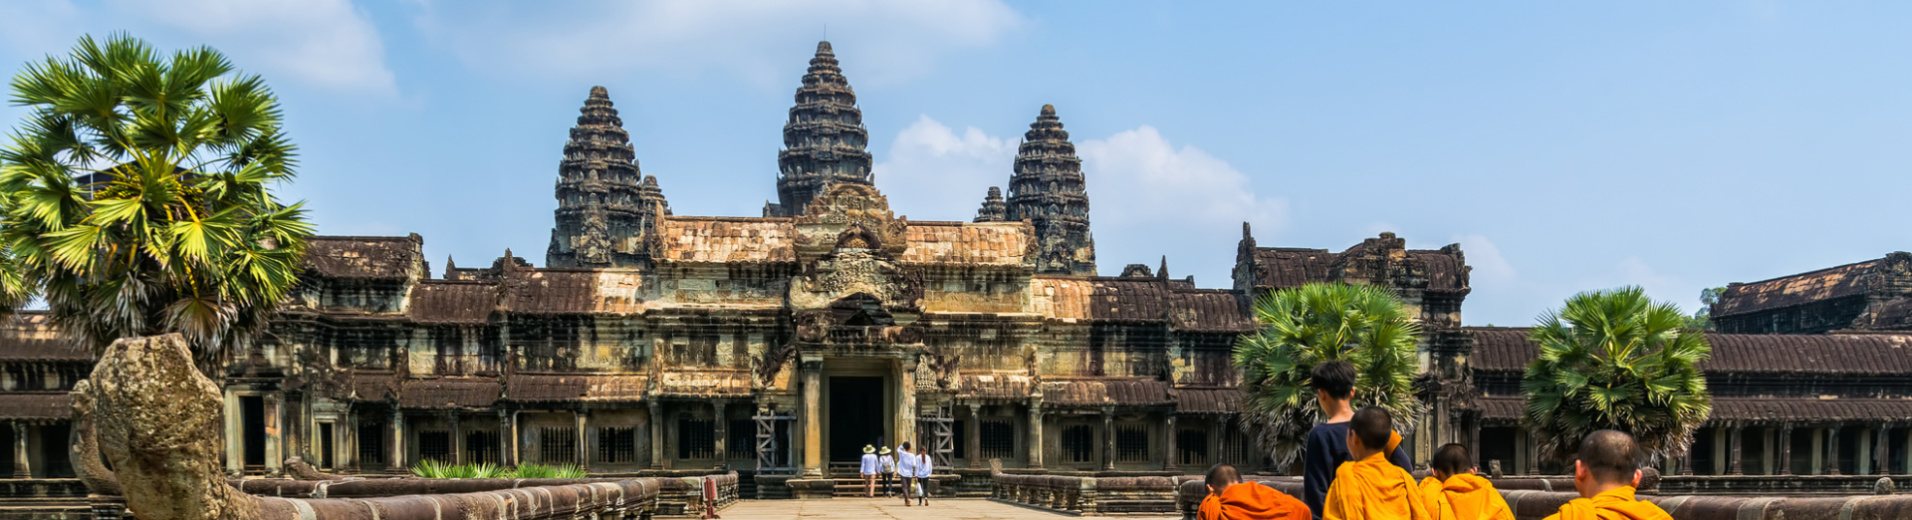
x=869, y=449
x=885, y=450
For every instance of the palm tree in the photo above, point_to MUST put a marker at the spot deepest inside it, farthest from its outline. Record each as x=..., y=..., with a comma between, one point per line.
x=1305, y=326
x=135, y=200
x=1616, y=360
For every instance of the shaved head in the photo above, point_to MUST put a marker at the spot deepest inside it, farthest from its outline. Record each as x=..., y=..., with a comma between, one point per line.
x=1610, y=456
x=1373, y=425
x=1221, y=475
x=1452, y=459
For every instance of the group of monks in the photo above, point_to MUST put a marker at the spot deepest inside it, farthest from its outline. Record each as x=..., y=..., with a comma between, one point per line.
x=1369, y=478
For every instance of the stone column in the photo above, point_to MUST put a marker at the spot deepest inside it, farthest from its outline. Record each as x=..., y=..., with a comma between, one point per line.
x=812, y=370
x=906, y=407
x=349, y=448
x=975, y=435
x=507, y=438
x=584, y=438
x=1785, y=449
x=457, y=438
x=1173, y=452
x=657, y=433
x=1733, y=450
x=718, y=407
x=1108, y=439
x=1884, y=442
x=1035, y=433
x=1686, y=462
x=1832, y=450
x=272, y=410
x=20, y=467
x=397, y=442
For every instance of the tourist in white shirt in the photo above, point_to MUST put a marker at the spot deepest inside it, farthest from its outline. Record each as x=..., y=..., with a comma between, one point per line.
x=869, y=470
x=906, y=470
x=888, y=461
x=923, y=467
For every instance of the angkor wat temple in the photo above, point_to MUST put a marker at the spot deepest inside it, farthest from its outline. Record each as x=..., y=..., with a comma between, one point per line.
x=777, y=345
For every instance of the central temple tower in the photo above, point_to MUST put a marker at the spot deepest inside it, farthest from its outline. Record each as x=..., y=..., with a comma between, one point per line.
x=823, y=142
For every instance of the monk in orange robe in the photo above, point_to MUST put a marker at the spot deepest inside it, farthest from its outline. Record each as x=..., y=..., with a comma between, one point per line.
x=1604, y=472
x=1231, y=499
x=1457, y=491
x=1369, y=486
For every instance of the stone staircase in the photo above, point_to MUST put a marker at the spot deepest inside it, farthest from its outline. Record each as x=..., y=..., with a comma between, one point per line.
x=849, y=483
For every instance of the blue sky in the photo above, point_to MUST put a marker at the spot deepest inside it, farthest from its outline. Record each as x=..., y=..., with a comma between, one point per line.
x=1565, y=146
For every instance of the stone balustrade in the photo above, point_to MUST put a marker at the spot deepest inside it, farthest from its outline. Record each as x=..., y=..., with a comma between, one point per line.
x=1536, y=498
x=1089, y=495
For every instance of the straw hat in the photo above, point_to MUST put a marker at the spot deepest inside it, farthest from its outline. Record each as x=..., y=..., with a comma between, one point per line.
x=884, y=451
x=869, y=449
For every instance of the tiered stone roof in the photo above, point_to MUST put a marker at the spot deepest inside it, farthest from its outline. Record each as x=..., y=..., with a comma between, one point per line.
x=824, y=140
x=993, y=209
x=604, y=202
x=1049, y=190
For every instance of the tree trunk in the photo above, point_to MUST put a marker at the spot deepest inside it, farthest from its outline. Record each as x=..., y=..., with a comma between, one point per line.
x=158, y=419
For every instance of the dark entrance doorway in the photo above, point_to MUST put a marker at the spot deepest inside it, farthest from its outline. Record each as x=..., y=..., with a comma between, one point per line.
x=252, y=425
x=856, y=416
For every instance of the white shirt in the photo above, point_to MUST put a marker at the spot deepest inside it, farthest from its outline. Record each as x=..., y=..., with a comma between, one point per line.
x=905, y=464
x=923, y=466
x=889, y=463
x=870, y=464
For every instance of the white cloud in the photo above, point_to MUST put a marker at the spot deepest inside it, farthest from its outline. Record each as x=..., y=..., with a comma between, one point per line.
x=328, y=44
x=932, y=173
x=1491, y=269
x=1139, y=177
x=889, y=40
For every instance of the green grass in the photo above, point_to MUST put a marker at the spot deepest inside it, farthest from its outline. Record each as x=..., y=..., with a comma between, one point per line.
x=435, y=469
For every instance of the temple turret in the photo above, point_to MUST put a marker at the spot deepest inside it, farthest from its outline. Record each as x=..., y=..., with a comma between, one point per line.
x=1048, y=189
x=824, y=141
x=993, y=209
x=602, y=210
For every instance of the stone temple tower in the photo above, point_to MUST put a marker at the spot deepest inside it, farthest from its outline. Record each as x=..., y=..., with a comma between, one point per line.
x=605, y=205
x=824, y=141
x=1048, y=189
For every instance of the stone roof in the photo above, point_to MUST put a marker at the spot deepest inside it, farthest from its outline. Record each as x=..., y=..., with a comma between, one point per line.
x=438, y=302
x=1008, y=243
x=1799, y=289
x=561, y=388
x=449, y=393
x=1144, y=299
x=681, y=382
x=1208, y=400
x=566, y=291
x=36, y=406
x=1752, y=409
x=1509, y=350
x=1284, y=267
x=369, y=258
x=724, y=240
x=1008, y=387
x=31, y=337
x=1106, y=392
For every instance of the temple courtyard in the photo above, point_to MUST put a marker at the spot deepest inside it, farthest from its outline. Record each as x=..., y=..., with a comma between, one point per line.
x=955, y=508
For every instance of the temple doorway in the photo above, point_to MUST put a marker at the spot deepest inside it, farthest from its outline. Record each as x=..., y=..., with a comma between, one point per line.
x=856, y=416
x=252, y=424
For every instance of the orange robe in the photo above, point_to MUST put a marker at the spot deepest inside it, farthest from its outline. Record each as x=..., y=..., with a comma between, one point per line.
x=1251, y=501
x=1464, y=497
x=1615, y=504
x=1373, y=488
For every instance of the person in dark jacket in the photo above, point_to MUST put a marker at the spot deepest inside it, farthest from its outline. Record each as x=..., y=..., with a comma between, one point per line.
x=1327, y=445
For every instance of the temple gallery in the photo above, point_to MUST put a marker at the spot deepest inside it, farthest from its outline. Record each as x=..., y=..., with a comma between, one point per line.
x=780, y=345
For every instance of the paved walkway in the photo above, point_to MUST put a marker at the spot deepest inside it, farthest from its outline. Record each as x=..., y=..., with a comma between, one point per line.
x=891, y=508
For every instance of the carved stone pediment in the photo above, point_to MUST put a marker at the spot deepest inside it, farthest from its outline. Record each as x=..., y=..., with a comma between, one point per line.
x=848, y=271
x=846, y=207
